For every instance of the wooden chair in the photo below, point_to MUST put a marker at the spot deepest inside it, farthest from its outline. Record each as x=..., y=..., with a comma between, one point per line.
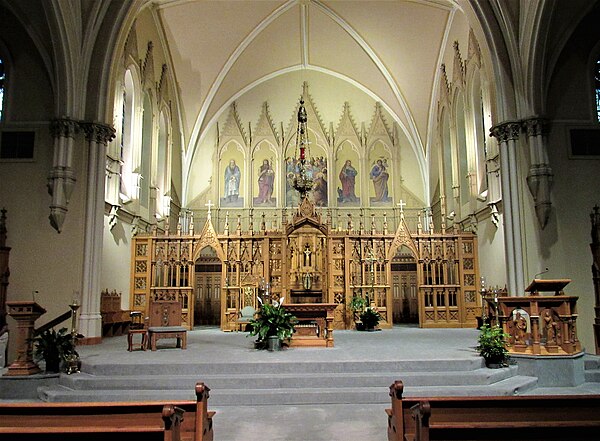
x=165, y=322
x=138, y=327
x=246, y=314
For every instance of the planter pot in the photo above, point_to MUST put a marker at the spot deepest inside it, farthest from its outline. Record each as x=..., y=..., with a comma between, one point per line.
x=53, y=365
x=273, y=343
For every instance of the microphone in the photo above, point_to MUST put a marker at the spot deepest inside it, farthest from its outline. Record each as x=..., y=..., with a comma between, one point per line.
x=539, y=274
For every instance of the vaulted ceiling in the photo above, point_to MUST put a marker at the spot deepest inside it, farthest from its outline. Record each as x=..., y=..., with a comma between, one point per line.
x=389, y=50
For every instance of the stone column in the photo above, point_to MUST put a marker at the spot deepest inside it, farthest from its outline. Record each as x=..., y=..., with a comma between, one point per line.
x=61, y=179
x=539, y=178
x=97, y=136
x=507, y=135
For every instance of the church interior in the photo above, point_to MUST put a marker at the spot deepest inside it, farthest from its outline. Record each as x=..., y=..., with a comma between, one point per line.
x=427, y=159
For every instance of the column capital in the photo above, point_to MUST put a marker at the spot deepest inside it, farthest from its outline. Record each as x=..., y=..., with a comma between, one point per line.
x=98, y=132
x=536, y=126
x=507, y=131
x=64, y=127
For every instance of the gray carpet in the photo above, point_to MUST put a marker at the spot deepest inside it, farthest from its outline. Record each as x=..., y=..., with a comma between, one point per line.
x=300, y=393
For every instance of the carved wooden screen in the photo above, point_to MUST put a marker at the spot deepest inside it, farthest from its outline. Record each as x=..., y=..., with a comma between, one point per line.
x=339, y=287
x=163, y=271
x=447, y=271
x=141, y=270
x=369, y=274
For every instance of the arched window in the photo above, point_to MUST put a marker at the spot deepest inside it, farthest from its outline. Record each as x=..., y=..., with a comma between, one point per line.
x=446, y=157
x=463, y=157
x=162, y=166
x=146, y=159
x=2, y=85
x=597, y=87
x=128, y=135
x=482, y=121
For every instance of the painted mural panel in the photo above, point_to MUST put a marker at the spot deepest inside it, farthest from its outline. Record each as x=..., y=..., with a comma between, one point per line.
x=232, y=164
x=264, y=183
x=349, y=179
x=316, y=169
x=379, y=175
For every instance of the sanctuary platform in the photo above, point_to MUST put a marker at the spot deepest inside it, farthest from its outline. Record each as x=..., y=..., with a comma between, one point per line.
x=312, y=394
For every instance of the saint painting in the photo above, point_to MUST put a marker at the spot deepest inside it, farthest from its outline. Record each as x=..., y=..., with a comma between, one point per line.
x=316, y=169
x=266, y=182
x=320, y=188
x=347, y=192
x=380, y=176
x=231, y=182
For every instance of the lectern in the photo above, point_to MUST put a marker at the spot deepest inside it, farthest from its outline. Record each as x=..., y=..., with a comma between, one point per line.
x=547, y=285
x=25, y=313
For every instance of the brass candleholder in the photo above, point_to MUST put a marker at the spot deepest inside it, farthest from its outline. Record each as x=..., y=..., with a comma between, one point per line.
x=72, y=360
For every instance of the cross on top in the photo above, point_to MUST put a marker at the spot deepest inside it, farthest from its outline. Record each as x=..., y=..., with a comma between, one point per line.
x=209, y=204
x=401, y=204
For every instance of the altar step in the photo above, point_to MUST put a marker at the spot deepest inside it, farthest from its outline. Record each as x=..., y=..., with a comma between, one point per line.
x=592, y=369
x=235, y=384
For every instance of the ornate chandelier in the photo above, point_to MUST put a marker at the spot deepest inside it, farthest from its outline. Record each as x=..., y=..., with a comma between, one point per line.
x=302, y=181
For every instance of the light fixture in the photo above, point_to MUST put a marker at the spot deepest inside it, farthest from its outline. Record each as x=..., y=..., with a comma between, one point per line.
x=302, y=181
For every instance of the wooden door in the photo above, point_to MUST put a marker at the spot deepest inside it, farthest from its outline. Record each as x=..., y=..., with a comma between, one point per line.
x=404, y=293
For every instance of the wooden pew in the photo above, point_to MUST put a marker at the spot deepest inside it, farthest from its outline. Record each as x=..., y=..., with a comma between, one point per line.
x=131, y=421
x=543, y=417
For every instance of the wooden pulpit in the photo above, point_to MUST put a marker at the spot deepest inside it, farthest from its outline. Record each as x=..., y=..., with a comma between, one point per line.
x=25, y=313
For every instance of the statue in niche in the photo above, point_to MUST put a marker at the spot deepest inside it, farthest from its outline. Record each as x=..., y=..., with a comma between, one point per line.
x=551, y=327
x=379, y=175
x=266, y=180
x=232, y=183
x=347, y=192
x=520, y=325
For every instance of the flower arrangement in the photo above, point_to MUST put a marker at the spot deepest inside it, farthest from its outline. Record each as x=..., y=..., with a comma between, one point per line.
x=271, y=321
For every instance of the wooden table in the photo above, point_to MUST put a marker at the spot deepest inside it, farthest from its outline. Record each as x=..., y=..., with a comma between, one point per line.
x=321, y=314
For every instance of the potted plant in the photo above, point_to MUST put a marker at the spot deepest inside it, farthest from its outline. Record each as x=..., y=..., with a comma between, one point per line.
x=54, y=347
x=370, y=318
x=357, y=306
x=272, y=325
x=492, y=346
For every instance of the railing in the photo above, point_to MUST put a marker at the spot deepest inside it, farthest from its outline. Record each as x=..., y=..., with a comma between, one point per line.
x=52, y=323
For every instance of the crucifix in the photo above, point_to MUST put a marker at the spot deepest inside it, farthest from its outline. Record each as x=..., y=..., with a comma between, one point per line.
x=209, y=205
x=307, y=253
x=401, y=204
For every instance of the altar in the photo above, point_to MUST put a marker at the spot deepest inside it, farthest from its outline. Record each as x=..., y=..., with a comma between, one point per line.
x=315, y=324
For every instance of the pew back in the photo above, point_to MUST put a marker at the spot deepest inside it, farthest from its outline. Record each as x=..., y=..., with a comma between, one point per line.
x=505, y=417
x=152, y=420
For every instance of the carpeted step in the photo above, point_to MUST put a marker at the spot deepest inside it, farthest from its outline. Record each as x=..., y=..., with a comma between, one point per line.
x=481, y=376
x=290, y=396
x=179, y=367
x=592, y=375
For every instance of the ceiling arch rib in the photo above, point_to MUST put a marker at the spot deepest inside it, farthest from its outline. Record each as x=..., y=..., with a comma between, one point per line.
x=414, y=134
x=223, y=73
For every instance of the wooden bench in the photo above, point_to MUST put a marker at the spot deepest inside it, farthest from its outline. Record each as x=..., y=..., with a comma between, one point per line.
x=153, y=420
x=542, y=417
